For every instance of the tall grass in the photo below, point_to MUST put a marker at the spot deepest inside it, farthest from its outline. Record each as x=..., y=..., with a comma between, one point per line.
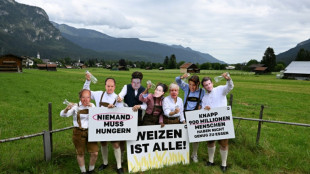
x=24, y=99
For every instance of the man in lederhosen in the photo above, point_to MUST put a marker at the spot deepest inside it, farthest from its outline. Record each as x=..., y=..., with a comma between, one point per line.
x=216, y=97
x=192, y=100
x=80, y=130
x=107, y=99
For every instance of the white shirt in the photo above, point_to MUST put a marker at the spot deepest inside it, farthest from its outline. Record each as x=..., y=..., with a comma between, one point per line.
x=96, y=95
x=217, y=97
x=124, y=92
x=169, y=106
x=73, y=112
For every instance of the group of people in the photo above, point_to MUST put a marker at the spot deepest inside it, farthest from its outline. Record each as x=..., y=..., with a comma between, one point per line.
x=159, y=110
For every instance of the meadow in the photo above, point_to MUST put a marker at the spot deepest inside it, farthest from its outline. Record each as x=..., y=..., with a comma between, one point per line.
x=24, y=99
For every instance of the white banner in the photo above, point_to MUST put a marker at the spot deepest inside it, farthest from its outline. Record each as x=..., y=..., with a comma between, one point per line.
x=156, y=147
x=112, y=124
x=215, y=124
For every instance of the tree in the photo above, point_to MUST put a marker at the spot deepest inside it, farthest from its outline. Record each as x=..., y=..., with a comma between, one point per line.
x=172, y=62
x=166, y=62
x=251, y=62
x=180, y=64
x=303, y=55
x=279, y=67
x=205, y=66
x=269, y=59
x=122, y=62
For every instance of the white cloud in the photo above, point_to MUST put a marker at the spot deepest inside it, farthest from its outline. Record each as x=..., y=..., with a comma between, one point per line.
x=232, y=31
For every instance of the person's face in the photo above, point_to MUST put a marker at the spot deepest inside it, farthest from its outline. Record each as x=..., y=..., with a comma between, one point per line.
x=85, y=98
x=174, y=93
x=159, y=91
x=208, y=85
x=110, y=86
x=135, y=83
x=192, y=86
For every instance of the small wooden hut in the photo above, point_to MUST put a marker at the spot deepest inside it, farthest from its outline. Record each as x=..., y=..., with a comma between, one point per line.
x=11, y=63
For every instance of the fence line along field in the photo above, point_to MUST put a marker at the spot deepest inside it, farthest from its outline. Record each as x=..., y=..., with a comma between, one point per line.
x=282, y=149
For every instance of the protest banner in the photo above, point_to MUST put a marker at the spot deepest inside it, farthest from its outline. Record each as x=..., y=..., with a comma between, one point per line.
x=215, y=124
x=112, y=124
x=156, y=147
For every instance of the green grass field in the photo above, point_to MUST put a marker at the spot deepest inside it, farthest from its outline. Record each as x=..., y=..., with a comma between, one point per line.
x=282, y=149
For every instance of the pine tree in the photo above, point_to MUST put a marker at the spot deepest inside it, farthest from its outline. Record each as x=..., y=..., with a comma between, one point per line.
x=269, y=59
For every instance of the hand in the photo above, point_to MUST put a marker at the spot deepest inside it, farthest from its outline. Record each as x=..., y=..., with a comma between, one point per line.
x=177, y=110
x=68, y=107
x=136, y=108
x=162, y=125
x=119, y=99
x=184, y=122
x=184, y=76
x=226, y=76
x=149, y=85
x=207, y=108
x=111, y=106
x=87, y=76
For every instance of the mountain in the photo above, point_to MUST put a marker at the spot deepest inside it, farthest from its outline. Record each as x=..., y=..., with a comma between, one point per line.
x=290, y=55
x=152, y=51
x=26, y=30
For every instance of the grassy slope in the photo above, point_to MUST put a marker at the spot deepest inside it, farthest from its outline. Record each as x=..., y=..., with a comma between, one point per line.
x=283, y=148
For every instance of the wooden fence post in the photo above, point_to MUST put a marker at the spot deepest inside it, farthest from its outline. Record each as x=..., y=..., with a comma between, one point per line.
x=50, y=127
x=259, y=124
x=231, y=100
x=47, y=146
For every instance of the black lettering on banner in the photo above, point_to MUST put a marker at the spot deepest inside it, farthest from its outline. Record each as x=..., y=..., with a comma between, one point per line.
x=139, y=148
x=164, y=146
x=159, y=134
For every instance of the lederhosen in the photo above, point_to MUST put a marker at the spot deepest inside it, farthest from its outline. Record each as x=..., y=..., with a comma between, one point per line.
x=104, y=104
x=80, y=136
x=151, y=119
x=192, y=99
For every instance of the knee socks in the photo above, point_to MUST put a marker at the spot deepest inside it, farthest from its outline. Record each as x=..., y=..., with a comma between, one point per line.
x=195, y=149
x=104, y=152
x=224, y=154
x=117, y=153
x=211, y=151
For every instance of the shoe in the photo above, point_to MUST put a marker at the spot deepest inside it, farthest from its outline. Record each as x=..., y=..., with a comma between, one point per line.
x=195, y=158
x=120, y=171
x=90, y=172
x=102, y=167
x=223, y=168
x=209, y=164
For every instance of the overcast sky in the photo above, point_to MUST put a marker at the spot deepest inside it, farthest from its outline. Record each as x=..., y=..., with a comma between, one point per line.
x=233, y=31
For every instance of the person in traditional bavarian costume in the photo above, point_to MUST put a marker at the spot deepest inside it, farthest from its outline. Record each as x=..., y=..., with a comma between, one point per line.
x=130, y=95
x=154, y=111
x=192, y=100
x=80, y=130
x=173, y=106
x=107, y=99
x=216, y=97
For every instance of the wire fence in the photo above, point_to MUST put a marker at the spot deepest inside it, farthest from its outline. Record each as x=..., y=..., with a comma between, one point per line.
x=48, y=143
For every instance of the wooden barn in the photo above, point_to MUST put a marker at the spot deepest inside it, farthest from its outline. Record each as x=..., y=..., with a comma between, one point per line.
x=299, y=70
x=261, y=70
x=11, y=63
x=189, y=68
x=254, y=66
x=47, y=67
